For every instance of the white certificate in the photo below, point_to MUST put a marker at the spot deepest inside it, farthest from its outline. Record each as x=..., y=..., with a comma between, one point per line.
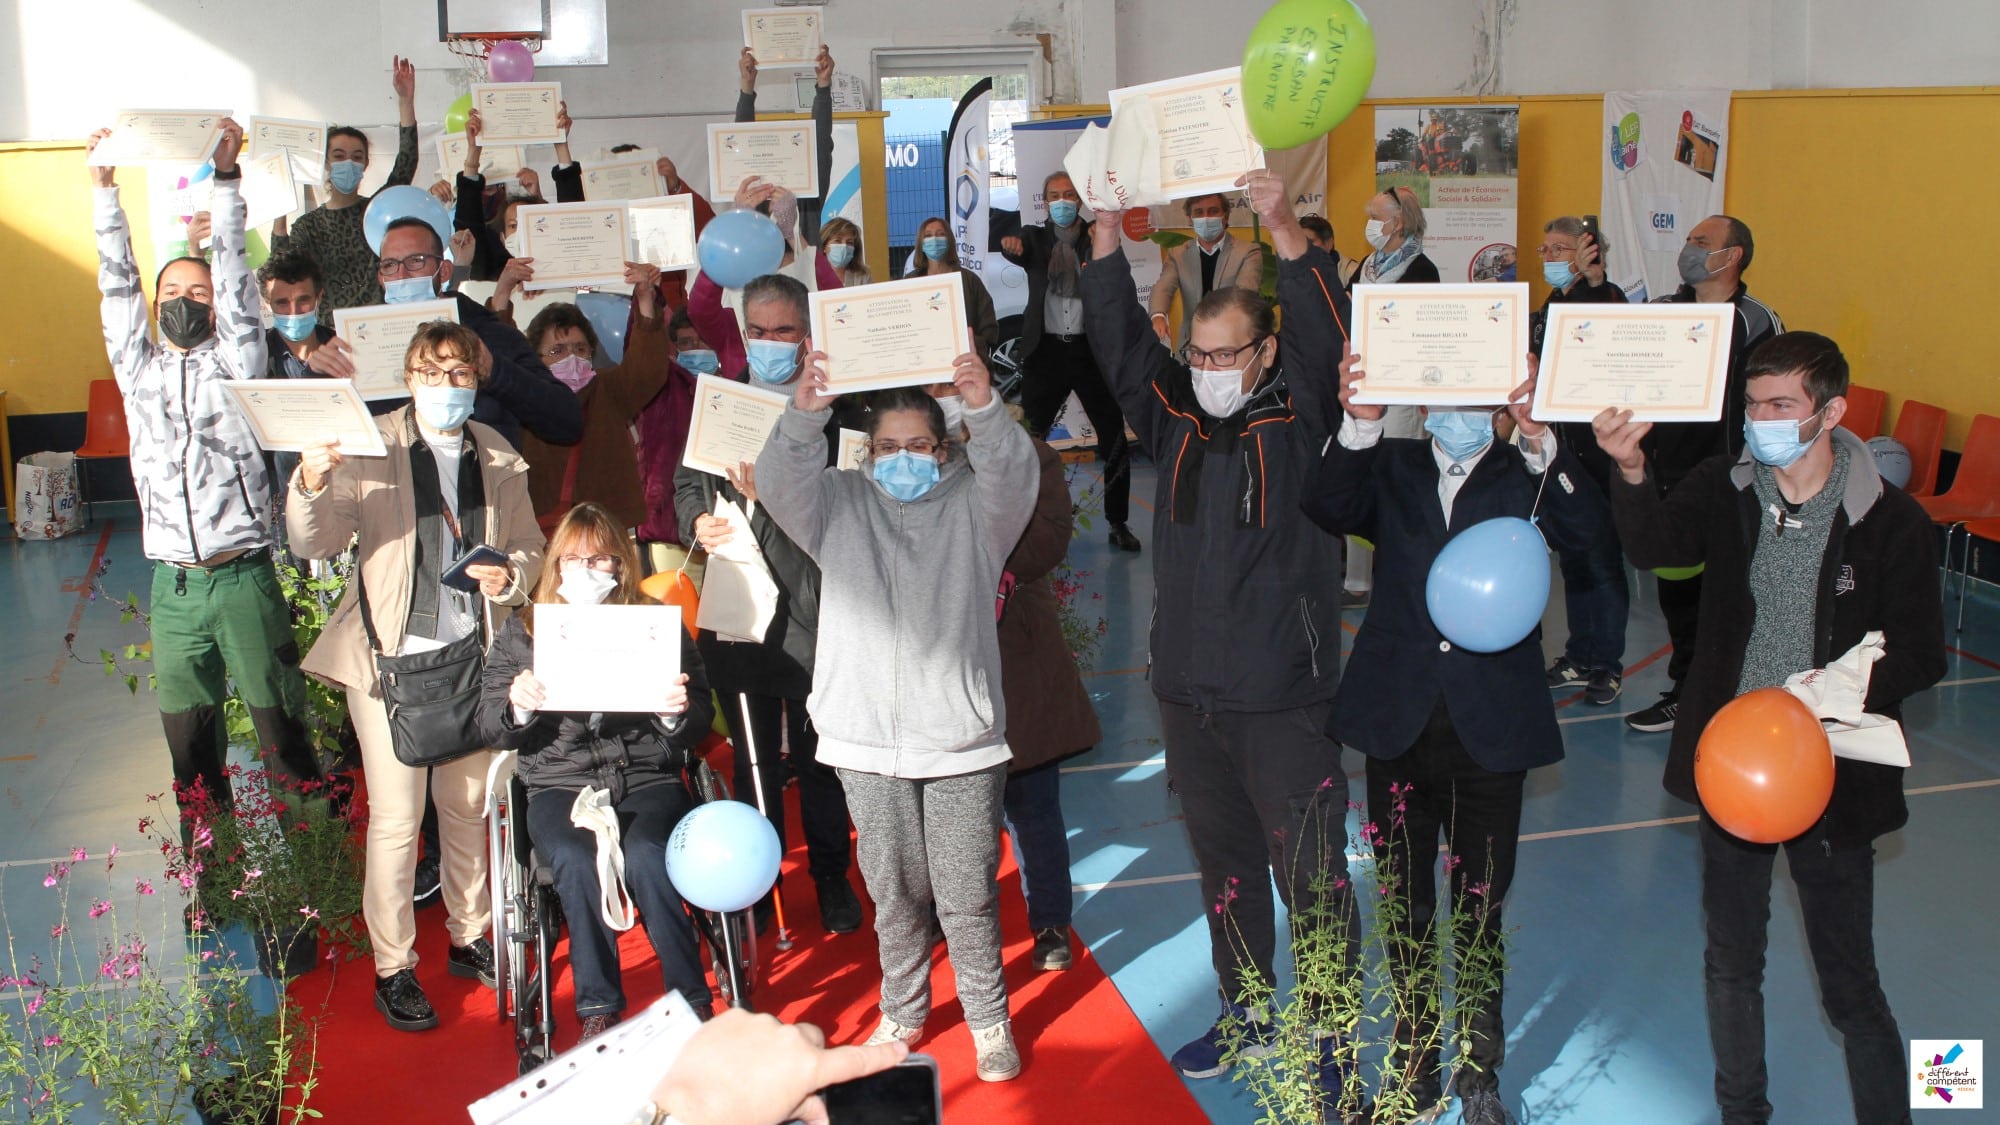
x=160, y=136
x=573, y=244
x=494, y=160
x=1441, y=345
x=305, y=141
x=518, y=113
x=607, y=658
x=906, y=333
x=269, y=189
x=1663, y=362
x=784, y=38
x=730, y=424
x=626, y=175
x=291, y=414
x=663, y=231
x=853, y=449
x=778, y=152
x=1205, y=140
x=380, y=336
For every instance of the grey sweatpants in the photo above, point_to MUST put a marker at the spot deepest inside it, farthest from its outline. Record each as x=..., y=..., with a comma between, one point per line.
x=925, y=840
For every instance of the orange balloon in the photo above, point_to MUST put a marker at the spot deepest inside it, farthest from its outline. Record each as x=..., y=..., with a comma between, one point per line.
x=674, y=587
x=1763, y=767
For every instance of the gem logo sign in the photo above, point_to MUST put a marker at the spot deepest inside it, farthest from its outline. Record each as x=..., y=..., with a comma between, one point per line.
x=1947, y=1073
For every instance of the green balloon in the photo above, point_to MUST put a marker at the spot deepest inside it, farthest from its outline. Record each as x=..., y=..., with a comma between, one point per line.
x=455, y=114
x=1307, y=65
x=1678, y=573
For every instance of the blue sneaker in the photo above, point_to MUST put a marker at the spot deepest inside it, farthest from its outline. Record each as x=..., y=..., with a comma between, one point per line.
x=1202, y=1057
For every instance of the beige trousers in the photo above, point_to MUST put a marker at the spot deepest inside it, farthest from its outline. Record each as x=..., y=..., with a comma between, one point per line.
x=395, y=811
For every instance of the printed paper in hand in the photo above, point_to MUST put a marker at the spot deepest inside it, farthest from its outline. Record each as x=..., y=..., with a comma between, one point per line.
x=663, y=231
x=607, y=658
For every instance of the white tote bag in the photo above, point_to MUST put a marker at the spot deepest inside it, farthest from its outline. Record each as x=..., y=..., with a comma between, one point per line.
x=739, y=599
x=45, y=496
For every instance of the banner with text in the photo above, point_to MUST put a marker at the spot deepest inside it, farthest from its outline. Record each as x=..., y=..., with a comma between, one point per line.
x=967, y=168
x=1463, y=163
x=1666, y=158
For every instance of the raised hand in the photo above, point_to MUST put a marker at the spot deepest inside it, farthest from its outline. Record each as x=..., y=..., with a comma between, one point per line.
x=333, y=359
x=969, y=375
x=754, y=192
x=746, y=71
x=461, y=247
x=1351, y=376
x=317, y=463
x=1619, y=436
x=228, y=145
x=810, y=395
x=563, y=123
x=1105, y=232
x=99, y=177
x=670, y=176
x=403, y=76
x=823, y=68
x=645, y=283
x=1522, y=401
x=530, y=181
x=198, y=230
x=512, y=275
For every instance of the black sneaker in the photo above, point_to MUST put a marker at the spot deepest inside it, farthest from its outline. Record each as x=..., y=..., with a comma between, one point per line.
x=839, y=909
x=1659, y=717
x=401, y=1001
x=1052, y=949
x=1123, y=539
x=1603, y=688
x=1353, y=599
x=1563, y=675
x=429, y=881
x=474, y=961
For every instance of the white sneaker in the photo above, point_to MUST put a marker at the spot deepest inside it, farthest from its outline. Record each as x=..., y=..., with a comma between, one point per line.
x=994, y=1047
x=889, y=1031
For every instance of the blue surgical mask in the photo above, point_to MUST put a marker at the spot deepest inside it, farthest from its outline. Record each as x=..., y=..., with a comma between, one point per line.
x=1209, y=229
x=906, y=475
x=444, y=408
x=701, y=361
x=346, y=174
x=1062, y=212
x=772, y=361
x=935, y=246
x=840, y=254
x=1778, y=442
x=1558, y=274
x=406, y=289
x=296, y=326
x=1460, y=433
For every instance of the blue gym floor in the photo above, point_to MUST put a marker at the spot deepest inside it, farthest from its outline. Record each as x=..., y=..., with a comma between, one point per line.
x=1604, y=1002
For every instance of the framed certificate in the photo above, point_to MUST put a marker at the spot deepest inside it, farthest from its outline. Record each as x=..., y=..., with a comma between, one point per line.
x=663, y=231
x=784, y=38
x=627, y=175
x=305, y=141
x=291, y=414
x=494, y=160
x=779, y=152
x=607, y=658
x=853, y=449
x=574, y=244
x=906, y=333
x=160, y=136
x=1441, y=345
x=380, y=336
x=1205, y=140
x=730, y=424
x=1663, y=362
x=517, y=113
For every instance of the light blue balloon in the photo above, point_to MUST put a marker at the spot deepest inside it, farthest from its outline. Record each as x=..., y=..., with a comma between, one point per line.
x=392, y=205
x=723, y=856
x=739, y=246
x=608, y=313
x=1490, y=584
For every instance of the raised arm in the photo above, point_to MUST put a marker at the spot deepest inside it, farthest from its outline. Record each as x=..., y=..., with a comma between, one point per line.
x=239, y=324
x=1312, y=337
x=320, y=524
x=822, y=119
x=1655, y=530
x=1121, y=337
x=123, y=304
x=716, y=324
x=520, y=382
x=792, y=475
x=746, y=86
x=404, y=78
x=1339, y=494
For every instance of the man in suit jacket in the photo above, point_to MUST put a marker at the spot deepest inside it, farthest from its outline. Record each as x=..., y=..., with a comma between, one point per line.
x=1215, y=260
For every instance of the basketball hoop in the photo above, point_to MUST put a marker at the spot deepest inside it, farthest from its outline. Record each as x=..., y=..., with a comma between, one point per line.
x=473, y=48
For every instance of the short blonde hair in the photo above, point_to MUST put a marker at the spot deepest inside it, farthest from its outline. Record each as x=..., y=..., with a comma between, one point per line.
x=1408, y=209
x=441, y=339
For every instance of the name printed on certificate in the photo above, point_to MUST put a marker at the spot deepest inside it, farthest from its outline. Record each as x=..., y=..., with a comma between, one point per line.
x=293, y=414
x=1441, y=345
x=304, y=140
x=784, y=38
x=778, y=152
x=1663, y=362
x=628, y=175
x=518, y=113
x=159, y=136
x=607, y=658
x=574, y=244
x=662, y=231
x=380, y=337
x=494, y=160
x=730, y=424
x=1205, y=139
x=906, y=333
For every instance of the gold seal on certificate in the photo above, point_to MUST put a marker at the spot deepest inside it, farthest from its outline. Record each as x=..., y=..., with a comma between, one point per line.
x=778, y=152
x=380, y=336
x=494, y=160
x=1440, y=345
x=906, y=333
x=291, y=414
x=626, y=175
x=730, y=424
x=304, y=140
x=518, y=113
x=607, y=658
x=1663, y=362
x=662, y=231
x=159, y=136
x=1205, y=140
x=574, y=244
x=784, y=38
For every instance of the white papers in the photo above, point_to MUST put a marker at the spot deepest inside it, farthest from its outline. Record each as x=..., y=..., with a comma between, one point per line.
x=159, y=136
x=1441, y=345
x=303, y=141
x=1118, y=168
x=518, y=113
x=1664, y=362
x=906, y=333
x=778, y=152
x=600, y=1080
x=607, y=658
x=494, y=160
x=573, y=244
x=662, y=229
x=380, y=336
x=1838, y=695
x=730, y=424
x=784, y=38
x=1204, y=138
x=627, y=175
x=269, y=190
x=292, y=414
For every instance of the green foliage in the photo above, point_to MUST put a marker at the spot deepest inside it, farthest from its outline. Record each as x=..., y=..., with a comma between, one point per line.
x=1168, y=239
x=1083, y=636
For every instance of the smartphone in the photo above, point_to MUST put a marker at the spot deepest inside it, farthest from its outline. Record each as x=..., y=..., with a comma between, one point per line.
x=482, y=555
x=904, y=1094
x=1590, y=228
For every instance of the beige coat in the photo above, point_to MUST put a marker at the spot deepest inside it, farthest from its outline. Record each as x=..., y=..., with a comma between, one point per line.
x=1241, y=265
x=372, y=497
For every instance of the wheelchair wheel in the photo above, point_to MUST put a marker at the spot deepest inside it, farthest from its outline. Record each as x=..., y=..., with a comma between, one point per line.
x=724, y=934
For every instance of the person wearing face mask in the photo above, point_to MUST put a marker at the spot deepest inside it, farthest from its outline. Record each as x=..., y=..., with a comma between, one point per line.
x=1808, y=555
x=1395, y=237
x=447, y=485
x=635, y=760
x=1242, y=666
x=660, y=438
x=939, y=253
x=332, y=232
x=1449, y=734
x=774, y=676
x=821, y=112
x=911, y=549
x=1055, y=350
x=840, y=241
x=204, y=492
x=719, y=312
x=495, y=237
x=1215, y=260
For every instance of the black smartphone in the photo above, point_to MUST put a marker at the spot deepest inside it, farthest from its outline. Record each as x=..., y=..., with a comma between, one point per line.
x=904, y=1094
x=1590, y=228
x=482, y=555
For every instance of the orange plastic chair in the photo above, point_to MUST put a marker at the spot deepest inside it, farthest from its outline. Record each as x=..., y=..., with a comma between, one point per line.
x=1920, y=429
x=1866, y=407
x=1974, y=494
x=1987, y=530
x=104, y=433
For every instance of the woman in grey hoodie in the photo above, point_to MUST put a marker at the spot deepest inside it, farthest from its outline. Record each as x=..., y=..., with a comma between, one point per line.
x=906, y=692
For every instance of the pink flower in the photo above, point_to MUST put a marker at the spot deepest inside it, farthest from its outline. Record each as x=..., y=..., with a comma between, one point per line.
x=51, y=1040
x=143, y=886
x=1479, y=889
x=111, y=857
x=252, y=873
x=35, y=1003
x=309, y=912
x=100, y=908
x=1451, y=862
x=78, y=855
x=59, y=929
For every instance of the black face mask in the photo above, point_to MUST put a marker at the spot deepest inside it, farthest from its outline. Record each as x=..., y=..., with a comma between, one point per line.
x=185, y=322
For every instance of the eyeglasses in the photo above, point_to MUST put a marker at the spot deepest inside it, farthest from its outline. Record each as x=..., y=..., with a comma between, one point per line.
x=416, y=265
x=1221, y=357
x=1551, y=250
x=577, y=348
x=594, y=562
x=436, y=376
x=922, y=447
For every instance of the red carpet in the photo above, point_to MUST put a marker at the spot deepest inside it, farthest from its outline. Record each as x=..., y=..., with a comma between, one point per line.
x=1086, y=1056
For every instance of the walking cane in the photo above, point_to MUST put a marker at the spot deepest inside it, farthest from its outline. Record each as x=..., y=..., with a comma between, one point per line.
x=784, y=941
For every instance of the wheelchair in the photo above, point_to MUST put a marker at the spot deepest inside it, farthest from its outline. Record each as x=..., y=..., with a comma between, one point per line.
x=527, y=916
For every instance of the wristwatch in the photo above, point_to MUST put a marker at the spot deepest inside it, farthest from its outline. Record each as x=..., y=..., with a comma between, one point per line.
x=648, y=1114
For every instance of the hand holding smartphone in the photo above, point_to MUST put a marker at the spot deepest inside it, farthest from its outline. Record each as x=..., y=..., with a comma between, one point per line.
x=905, y=1094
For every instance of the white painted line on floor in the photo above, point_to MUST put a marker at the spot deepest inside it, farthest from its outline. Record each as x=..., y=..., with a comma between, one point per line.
x=1595, y=829
x=1149, y=881
x=139, y=851
x=1095, y=766
x=1967, y=682
x=1987, y=784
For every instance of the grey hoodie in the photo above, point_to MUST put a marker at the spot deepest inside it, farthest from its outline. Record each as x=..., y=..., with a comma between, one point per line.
x=907, y=678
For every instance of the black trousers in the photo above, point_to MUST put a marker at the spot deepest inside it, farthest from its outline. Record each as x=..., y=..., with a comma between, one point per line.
x=1054, y=369
x=822, y=802
x=1436, y=787
x=1680, y=604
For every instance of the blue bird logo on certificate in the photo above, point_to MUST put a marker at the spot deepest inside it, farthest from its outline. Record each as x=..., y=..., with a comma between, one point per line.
x=1496, y=311
x=1581, y=333
x=1698, y=334
x=840, y=314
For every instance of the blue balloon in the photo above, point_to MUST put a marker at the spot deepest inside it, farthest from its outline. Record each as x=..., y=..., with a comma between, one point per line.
x=608, y=313
x=1490, y=584
x=723, y=856
x=392, y=205
x=739, y=246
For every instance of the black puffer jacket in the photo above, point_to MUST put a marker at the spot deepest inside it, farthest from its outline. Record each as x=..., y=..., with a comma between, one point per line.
x=616, y=752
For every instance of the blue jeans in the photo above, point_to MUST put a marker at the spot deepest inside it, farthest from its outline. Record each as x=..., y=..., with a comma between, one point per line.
x=1599, y=601
x=1033, y=805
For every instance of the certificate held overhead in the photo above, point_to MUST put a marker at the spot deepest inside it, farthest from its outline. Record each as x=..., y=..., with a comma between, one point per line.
x=906, y=333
